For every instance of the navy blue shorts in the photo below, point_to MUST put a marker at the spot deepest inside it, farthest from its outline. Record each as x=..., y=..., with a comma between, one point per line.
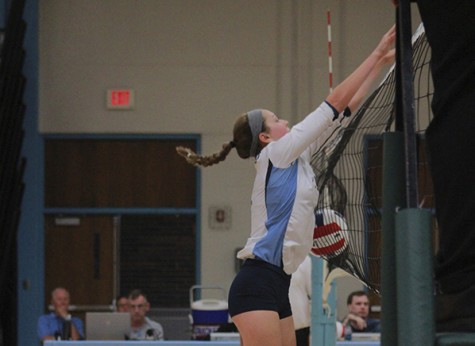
x=260, y=286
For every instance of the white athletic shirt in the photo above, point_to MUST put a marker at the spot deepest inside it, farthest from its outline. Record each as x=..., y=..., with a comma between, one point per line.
x=285, y=193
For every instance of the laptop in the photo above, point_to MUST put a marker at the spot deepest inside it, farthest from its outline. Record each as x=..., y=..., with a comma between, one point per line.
x=365, y=336
x=107, y=325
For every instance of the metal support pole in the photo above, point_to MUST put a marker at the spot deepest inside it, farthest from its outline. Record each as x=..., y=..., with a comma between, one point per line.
x=405, y=97
x=400, y=191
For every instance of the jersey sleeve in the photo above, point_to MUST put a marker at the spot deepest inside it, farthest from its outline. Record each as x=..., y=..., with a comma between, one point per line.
x=288, y=148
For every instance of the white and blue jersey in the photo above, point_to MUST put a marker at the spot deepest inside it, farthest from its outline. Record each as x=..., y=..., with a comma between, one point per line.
x=285, y=193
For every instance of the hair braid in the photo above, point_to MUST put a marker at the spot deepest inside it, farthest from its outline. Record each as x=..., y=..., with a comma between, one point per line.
x=242, y=141
x=200, y=160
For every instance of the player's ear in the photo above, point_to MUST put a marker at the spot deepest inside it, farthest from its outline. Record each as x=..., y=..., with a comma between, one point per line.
x=264, y=137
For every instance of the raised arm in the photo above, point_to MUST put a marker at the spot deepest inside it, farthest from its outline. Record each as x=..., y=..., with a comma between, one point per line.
x=368, y=82
x=346, y=90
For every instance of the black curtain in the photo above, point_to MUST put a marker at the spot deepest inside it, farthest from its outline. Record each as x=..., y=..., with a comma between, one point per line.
x=12, y=110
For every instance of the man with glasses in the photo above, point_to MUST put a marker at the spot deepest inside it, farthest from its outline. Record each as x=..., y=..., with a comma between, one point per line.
x=142, y=327
x=122, y=303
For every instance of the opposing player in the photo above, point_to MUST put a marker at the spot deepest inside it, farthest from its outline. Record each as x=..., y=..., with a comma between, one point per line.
x=450, y=30
x=283, y=200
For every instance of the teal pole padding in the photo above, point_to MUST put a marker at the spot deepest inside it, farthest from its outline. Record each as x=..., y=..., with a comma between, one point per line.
x=414, y=260
x=322, y=330
x=393, y=197
x=330, y=325
x=316, y=329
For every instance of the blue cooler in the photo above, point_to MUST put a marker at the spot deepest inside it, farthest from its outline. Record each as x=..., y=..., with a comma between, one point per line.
x=207, y=315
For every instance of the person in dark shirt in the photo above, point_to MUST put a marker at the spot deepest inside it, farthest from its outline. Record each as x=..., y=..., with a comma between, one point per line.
x=450, y=30
x=358, y=314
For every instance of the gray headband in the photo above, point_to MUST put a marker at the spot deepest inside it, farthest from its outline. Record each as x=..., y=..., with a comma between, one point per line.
x=255, y=120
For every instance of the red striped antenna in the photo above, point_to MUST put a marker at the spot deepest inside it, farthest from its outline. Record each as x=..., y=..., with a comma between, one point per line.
x=330, y=63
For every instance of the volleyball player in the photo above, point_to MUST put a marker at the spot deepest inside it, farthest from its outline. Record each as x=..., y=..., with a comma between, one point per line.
x=283, y=200
x=450, y=30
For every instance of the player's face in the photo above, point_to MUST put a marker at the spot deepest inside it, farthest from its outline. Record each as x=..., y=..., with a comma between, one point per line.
x=359, y=306
x=277, y=128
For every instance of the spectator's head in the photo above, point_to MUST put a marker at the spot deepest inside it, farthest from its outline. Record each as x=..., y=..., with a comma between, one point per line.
x=138, y=307
x=122, y=304
x=358, y=304
x=60, y=300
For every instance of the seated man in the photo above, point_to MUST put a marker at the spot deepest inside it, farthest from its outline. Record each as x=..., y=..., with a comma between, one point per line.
x=122, y=304
x=358, y=311
x=59, y=324
x=142, y=327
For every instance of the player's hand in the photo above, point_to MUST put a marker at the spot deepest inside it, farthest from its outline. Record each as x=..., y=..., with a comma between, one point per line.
x=387, y=42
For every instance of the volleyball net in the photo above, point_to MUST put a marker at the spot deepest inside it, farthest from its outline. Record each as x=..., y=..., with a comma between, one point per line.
x=349, y=167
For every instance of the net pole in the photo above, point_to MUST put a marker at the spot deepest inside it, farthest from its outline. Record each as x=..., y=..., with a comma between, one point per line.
x=405, y=98
x=415, y=320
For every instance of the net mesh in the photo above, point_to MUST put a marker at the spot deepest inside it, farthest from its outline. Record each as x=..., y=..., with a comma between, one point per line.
x=349, y=167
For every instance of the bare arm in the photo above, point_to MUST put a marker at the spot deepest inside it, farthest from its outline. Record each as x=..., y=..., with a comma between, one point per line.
x=346, y=90
x=368, y=82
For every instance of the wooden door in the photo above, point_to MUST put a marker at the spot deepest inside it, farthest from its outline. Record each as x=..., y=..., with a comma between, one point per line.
x=79, y=256
x=104, y=174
